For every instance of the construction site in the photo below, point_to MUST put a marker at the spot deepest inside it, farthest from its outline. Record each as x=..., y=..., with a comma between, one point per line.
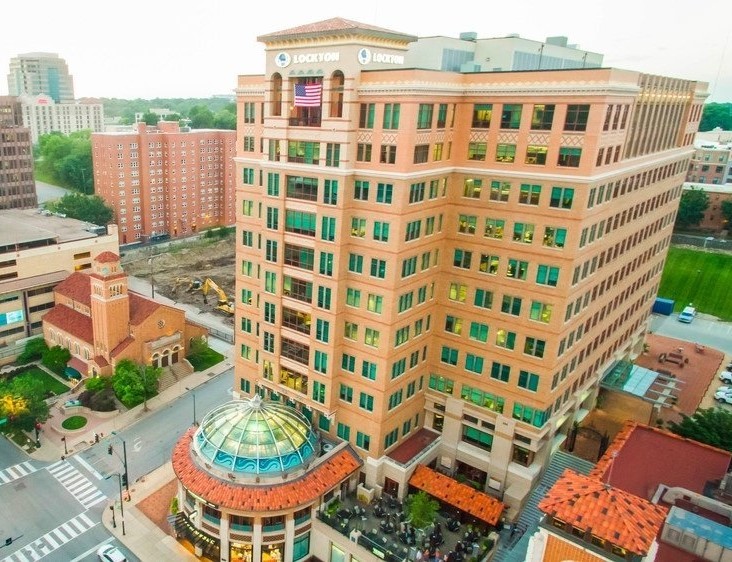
x=199, y=272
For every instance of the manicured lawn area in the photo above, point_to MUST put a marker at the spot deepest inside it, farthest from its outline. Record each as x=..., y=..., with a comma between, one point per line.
x=50, y=383
x=74, y=422
x=205, y=359
x=698, y=277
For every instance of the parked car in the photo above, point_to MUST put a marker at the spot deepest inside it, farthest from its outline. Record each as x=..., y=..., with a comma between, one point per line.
x=687, y=315
x=725, y=376
x=110, y=553
x=724, y=396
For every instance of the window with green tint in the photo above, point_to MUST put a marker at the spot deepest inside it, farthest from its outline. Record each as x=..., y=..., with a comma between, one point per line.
x=511, y=116
x=500, y=191
x=416, y=192
x=483, y=298
x=529, y=194
x=424, y=116
x=381, y=231
x=482, y=399
x=247, y=207
x=322, y=330
x=363, y=152
x=300, y=222
x=326, y=263
x=547, y=275
x=375, y=303
x=358, y=227
x=350, y=330
x=298, y=256
x=361, y=190
x=562, y=197
x=353, y=297
x=270, y=251
x=478, y=331
x=363, y=441
x=368, y=370
x=511, y=305
x=536, y=154
x=534, y=346
x=366, y=401
x=346, y=393
x=441, y=384
x=273, y=218
x=517, y=269
x=505, y=339
x=530, y=415
x=332, y=154
x=474, y=363
x=270, y=311
x=477, y=151
x=489, y=264
x=541, y=311
x=366, y=115
x=319, y=392
x=449, y=355
x=453, y=324
x=462, y=258
x=303, y=152
x=378, y=268
x=391, y=438
x=554, y=237
x=477, y=437
x=320, y=363
x=305, y=189
x=343, y=431
x=248, y=176
x=391, y=115
x=576, y=119
x=301, y=546
x=273, y=184
x=472, y=188
x=395, y=399
x=324, y=297
x=348, y=363
x=330, y=192
x=457, y=292
x=323, y=422
x=355, y=263
x=247, y=238
x=523, y=232
x=384, y=192
x=246, y=296
x=505, y=152
x=569, y=157
x=500, y=372
x=371, y=337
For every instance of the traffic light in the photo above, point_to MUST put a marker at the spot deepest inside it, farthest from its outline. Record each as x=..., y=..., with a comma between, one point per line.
x=109, y=449
x=124, y=479
x=8, y=541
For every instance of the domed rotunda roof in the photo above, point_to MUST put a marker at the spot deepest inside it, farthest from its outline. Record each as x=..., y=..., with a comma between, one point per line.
x=254, y=437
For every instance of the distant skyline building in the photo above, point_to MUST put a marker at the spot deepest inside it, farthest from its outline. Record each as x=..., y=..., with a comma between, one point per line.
x=166, y=180
x=439, y=266
x=41, y=73
x=42, y=115
x=17, y=184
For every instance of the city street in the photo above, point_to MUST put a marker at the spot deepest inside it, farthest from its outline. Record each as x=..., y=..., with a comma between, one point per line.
x=705, y=330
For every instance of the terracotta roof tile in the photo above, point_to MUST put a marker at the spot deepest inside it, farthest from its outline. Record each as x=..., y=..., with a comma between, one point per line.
x=141, y=308
x=106, y=257
x=71, y=321
x=261, y=497
x=609, y=513
x=464, y=497
x=329, y=26
x=76, y=286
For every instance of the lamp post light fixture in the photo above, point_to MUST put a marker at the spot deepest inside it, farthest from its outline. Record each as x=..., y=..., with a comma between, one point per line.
x=121, y=502
x=193, y=394
x=66, y=449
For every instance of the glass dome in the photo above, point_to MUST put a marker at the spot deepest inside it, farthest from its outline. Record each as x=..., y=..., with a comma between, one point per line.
x=256, y=437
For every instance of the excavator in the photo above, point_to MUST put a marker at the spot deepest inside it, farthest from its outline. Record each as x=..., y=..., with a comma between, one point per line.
x=189, y=284
x=224, y=304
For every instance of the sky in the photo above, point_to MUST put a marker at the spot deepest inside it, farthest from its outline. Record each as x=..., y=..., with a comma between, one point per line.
x=195, y=48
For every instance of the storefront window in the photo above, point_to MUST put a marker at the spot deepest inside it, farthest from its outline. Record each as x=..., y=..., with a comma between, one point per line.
x=241, y=552
x=336, y=554
x=301, y=546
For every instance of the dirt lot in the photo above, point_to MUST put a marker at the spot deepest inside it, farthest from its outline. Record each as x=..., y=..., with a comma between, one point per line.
x=186, y=261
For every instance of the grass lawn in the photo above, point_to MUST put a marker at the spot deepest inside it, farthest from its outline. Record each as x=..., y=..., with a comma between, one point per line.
x=698, y=277
x=50, y=383
x=74, y=422
x=206, y=359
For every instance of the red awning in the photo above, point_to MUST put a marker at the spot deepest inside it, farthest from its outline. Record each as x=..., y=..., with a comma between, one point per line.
x=79, y=365
x=466, y=498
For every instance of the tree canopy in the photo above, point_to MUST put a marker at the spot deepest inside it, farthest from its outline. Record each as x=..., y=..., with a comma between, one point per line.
x=89, y=208
x=134, y=383
x=66, y=160
x=692, y=205
x=726, y=208
x=712, y=426
x=421, y=509
x=22, y=401
x=716, y=115
x=55, y=359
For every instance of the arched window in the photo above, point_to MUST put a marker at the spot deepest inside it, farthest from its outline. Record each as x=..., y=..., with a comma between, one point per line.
x=337, y=81
x=276, y=100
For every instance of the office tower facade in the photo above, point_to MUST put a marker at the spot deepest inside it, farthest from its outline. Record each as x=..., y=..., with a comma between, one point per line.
x=17, y=184
x=439, y=267
x=41, y=73
x=42, y=115
x=165, y=181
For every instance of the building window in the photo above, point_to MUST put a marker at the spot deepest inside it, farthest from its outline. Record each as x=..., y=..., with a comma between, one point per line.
x=529, y=194
x=547, y=275
x=361, y=190
x=363, y=152
x=483, y=298
x=482, y=113
x=388, y=154
x=523, y=232
x=500, y=372
x=554, y=237
x=477, y=151
x=424, y=116
x=511, y=116
x=381, y=231
x=542, y=117
x=562, y=197
x=457, y=292
x=505, y=339
x=462, y=258
x=535, y=347
x=536, y=154
x=576, y=119
x=363, y=441
x=529, y=381
x=378, y=268
x=511, y=305
x=355, y=263
x=384, y=193
x=472, y=187
x=569, y=157
x=391, y=115
x=517, y=269
x=474, y=363
x=494, y=228
x=500, y=190
x=541, y=312
x=366, y=401
x=366, y=116
x=449, y=355
x=505, y=152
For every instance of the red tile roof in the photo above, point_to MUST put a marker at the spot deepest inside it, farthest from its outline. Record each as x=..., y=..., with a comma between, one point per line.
x=76, y=286
x=107, y=257
x=100, y=361
x=261, y=497
x=121, y=346
x=72, y=322
x=466, y=498
x=642, y=457
x=619, y=517
x=329, y=27
x=141, y=308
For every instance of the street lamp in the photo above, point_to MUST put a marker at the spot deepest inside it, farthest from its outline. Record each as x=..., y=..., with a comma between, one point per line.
x=66, y=449
x=152, y=272
x=125, y=477
x=194, y=405
x=121, y=502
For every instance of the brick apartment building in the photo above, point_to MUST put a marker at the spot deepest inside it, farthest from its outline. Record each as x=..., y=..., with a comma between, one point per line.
x=165, y=180
x=440, y=266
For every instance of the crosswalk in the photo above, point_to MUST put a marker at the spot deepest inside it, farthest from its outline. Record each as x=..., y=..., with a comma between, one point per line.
x=52, y=540
x=76, y=484
x=16, y=471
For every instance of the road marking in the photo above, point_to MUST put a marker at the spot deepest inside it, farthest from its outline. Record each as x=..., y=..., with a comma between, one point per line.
x=92, y=550
x=137, y=444
x=89, y=467
x=54, y=539
x=16, y=472
x=76, y=484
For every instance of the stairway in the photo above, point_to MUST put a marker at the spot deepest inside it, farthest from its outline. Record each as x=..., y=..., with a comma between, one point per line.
x=513, y=548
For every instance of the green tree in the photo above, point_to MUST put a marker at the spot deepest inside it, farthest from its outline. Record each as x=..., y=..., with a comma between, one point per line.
x=226, y=118
x=95, y=384
x=692, y=205
x=33, y=351
x=22, y=400
x=150, y=118
x=66, y=160
x=134, y=384
x=201, y=117
x=421, y=509
x=726, y=208
x=89, y=208
x=716, y=115
x=712, y=426
x=55, y=359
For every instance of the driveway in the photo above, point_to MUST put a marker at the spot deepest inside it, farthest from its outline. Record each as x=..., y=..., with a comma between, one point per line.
x=705, y=329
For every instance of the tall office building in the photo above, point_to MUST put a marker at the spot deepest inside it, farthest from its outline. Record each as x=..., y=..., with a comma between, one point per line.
x=17, y=185
x=439, y=267
x=41, y=73
x=165, y=181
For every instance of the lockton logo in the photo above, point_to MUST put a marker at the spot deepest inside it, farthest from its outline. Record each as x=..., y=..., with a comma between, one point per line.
x=283, y=60
x=364, y=56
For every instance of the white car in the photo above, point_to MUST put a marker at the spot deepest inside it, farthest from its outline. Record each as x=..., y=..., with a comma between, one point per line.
x=725, y=376
x=110, y=553
x=724, y=396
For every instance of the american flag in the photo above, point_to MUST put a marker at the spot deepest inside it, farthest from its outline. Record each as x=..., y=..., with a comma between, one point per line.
x=308, y=95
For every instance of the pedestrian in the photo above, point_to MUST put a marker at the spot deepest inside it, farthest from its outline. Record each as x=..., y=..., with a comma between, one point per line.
x=96, y=438
x=63, y=458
